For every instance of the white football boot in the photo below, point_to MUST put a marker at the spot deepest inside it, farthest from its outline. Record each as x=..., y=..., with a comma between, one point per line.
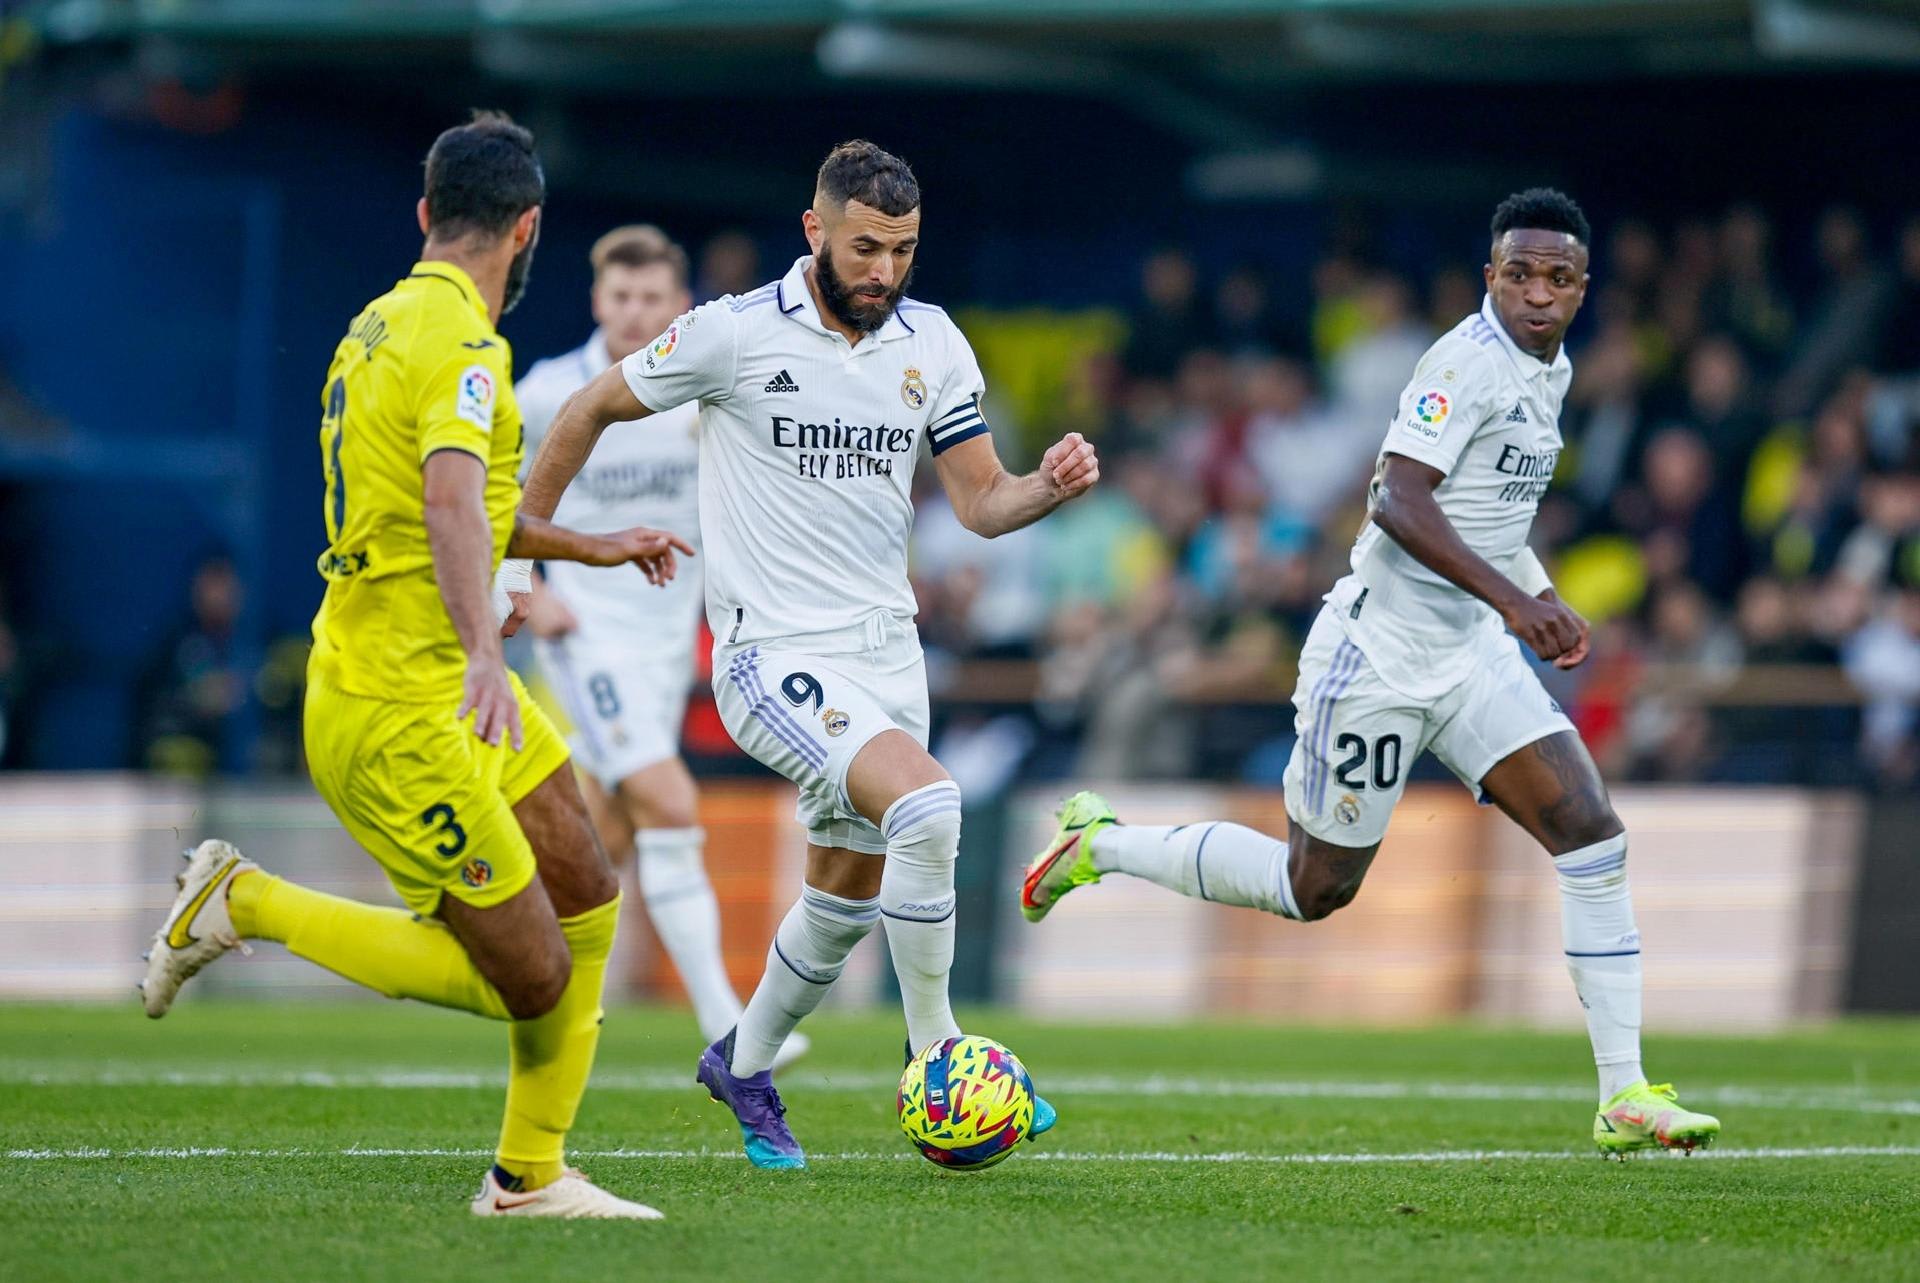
x=572, y=1197
x=199, y=929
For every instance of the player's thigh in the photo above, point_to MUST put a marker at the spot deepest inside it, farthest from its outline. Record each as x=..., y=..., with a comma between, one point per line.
x=421, y=794
x=851, y=875
x=517, y=945
x=1324, y=876
x=891, y=765
x=809, y=717
x=566, y=847
x=625, y=700
x=661, y=796
x=1506, y=738
x=1354, y=740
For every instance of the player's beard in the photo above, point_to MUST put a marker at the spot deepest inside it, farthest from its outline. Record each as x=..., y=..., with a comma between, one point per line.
x=856, y=311
x=517, y=273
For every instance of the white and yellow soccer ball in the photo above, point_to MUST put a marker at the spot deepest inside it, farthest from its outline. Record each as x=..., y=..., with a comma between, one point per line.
x=965, y=1103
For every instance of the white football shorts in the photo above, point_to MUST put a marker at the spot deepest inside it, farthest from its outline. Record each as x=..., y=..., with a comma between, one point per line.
x=625, y=691
x=1356, y=737
x=806, y=706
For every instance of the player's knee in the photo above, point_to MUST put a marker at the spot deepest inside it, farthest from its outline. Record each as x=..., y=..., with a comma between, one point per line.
x=537, y=991
x=1588, y=823
x=1318, y=900
x=1320, y=890
x=923, y=827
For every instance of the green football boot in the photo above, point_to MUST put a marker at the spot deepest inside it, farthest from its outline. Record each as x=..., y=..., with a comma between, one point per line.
x=1643, y=1117
x=1065, y=862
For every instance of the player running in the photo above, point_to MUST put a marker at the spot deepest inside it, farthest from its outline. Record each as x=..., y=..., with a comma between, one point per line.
x=418, y=736
x=619, y=653
x=818, y=393
x=1409, y=654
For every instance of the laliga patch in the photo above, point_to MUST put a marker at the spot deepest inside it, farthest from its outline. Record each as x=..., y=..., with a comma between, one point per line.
x=661, y=348
x=1429, y=416
x=475, y=402
x=913, y=389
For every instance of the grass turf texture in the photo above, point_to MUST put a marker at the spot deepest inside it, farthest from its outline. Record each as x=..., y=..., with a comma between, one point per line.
x=306, y=1082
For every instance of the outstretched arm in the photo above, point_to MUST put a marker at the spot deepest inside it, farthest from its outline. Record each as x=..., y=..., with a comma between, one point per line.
x=990, y=501
x=570, y=438
x=1406, y=510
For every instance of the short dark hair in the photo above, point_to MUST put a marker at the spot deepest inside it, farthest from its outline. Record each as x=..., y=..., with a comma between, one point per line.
x=481, y=176
x=1544, y=209
x=859, y=170
x=638, y=245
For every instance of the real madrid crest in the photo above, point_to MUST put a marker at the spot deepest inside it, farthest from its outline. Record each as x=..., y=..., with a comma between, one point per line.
x=913, y=389
x=1347, y=810
x=835, y=721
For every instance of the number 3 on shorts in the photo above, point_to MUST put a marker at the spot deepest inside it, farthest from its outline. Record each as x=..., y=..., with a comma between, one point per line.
x=440, y=818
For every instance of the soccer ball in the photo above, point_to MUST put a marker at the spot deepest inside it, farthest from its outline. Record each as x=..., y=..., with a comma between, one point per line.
x=965, y=1103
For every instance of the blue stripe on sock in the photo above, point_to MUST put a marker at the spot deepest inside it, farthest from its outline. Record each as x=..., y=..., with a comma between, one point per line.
x=1197, y=853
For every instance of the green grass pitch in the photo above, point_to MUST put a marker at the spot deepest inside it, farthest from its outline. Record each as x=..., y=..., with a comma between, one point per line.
x=307, y=1141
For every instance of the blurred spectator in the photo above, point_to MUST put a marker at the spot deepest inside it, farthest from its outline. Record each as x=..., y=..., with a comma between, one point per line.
x=1245, y=322
x=729, y=264
x=1899, y=350
x=196, y=684
x=1883, y=660
x=1745, y=301
x=1167, y=322
x=1846, y=321
x=1306, y=461
x=1689, y=527
x=1367, y=376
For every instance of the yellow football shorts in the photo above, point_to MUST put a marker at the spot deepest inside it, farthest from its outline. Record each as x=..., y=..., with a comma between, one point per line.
x=425, y=797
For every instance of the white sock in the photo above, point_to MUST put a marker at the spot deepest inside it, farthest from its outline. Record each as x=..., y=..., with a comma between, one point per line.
x=686, y=917
x=917, y=901
x=808, y=953
x=1218, y=861
x=1603, y=955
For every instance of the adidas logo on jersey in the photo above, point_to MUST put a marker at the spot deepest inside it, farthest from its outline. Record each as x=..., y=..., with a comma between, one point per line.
x=1516, y=415
x=783, y=382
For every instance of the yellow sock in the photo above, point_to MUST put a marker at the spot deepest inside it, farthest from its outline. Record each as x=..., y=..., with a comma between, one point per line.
x=388, y=950
x=553, y=1055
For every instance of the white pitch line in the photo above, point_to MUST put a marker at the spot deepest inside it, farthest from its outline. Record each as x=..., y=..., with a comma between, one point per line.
x=1049, y=1156
x=1827, y=1098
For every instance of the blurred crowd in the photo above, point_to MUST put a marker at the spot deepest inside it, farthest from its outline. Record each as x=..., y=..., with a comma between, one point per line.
x=1737, y=509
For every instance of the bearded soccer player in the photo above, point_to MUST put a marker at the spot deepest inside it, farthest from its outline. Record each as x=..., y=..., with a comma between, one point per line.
x=418, y=736
x=1412, y=652
x=818, y=394
x=620, y=653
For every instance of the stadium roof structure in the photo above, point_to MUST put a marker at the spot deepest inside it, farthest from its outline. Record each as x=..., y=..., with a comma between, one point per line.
x=1234, y=41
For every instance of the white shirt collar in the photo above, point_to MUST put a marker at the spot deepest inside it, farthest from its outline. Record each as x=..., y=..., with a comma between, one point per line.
x=1529, y=366
x=795, y=301
x=594, y=353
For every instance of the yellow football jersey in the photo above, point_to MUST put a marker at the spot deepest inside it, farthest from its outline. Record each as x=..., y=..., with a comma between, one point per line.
x=421, y=369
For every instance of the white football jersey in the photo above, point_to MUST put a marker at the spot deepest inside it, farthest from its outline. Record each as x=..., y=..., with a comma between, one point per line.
x=1488, y=416
x=637, y=475
x=807, y=451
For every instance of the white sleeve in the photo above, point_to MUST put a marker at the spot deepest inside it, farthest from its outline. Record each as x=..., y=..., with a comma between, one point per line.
x=1528, y=574
x=956, y=413
x=695, y=360
x=1449, y=399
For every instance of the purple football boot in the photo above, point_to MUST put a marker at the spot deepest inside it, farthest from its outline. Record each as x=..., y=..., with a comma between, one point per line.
x=756, y=1107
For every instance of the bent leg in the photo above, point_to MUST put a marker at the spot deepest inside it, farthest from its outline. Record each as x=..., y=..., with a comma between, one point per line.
x=837, y=908
x=902, y=791
x=1552, y=789
x=661, y=804
x=552, y=1054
